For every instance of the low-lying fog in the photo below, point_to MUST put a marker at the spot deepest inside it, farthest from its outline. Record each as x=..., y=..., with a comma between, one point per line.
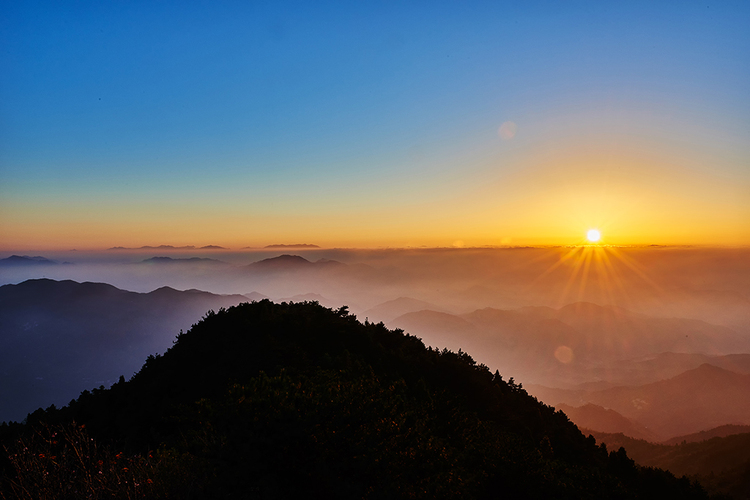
x=580, y=319
x=711, y=284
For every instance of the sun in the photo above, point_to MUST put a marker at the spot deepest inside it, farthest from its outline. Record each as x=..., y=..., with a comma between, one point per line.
x=593, y=235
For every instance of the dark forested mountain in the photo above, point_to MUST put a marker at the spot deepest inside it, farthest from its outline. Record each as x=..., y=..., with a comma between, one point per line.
x=287, y=400
x=610, y=358
x=58, y=338
x=722, y=464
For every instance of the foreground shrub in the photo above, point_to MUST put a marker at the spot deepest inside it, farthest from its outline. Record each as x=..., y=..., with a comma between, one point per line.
x=57, y=462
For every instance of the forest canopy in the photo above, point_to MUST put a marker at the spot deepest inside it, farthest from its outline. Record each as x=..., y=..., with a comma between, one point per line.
x=267, y=400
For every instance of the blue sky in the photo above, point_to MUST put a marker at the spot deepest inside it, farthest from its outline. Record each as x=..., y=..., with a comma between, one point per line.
x=308, y=109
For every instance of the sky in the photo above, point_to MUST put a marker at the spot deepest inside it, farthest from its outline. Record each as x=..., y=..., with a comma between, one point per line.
x=373, y=124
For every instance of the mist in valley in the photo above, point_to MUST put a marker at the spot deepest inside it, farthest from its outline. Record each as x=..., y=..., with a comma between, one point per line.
x=655, y=338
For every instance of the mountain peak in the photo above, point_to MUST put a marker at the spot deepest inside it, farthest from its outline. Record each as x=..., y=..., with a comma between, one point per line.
x=708, y=371
x=282, y=261
x=275, y=387
x=293, y=245
x=25, y=260
x=170, y=260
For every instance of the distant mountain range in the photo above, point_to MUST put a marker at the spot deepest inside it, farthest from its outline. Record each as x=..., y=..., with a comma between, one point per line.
x=693, y=401
x=616, y=364
x=55, y=324
x=284, y=262
x=58, y=338
x=25, y=260
x=388, y=311
x=294, y=245
x=597, y=418
x=722, y=307
x=191, y=260
x=255, y=296
x=170, y=247
x=291, y=263
x=721, y=431
x=577, y=343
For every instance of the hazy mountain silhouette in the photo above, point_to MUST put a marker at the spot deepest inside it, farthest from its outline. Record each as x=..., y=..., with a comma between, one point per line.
x=293, y=400
x=667, y=365
x=255, y=296
x=282, y=262
x=170, y=247
x=389, y=310
x=708, y=284
x=25, y=260
x=329, y=263
x=160, y=247
x=294, y=245
x=594, y=338
x=596, y=418
x=721, y=431
x=438, y=329
x=722, y=307
x=60, y=337
x=696, y=400
x=650, y=334
x=290, y=264
x=190, y=260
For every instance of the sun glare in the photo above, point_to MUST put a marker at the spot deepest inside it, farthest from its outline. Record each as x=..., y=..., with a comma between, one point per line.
x=593, y=235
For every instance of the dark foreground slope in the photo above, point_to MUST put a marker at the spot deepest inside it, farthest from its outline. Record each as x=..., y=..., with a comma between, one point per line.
x=271, y=400
x=721, y=463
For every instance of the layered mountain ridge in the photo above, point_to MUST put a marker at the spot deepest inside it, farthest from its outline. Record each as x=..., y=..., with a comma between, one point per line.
x=283, y=400
x=58, y=338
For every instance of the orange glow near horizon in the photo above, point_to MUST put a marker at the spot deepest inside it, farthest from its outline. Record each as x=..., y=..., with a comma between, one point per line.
x=547, y=200
x=427, y=158
x=586, y=270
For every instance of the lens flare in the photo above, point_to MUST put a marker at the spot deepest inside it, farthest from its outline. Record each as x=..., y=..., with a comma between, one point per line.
x=507, y=131
x=564, y=354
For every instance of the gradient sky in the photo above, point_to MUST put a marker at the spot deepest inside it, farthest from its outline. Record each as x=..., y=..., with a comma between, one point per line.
x=373, y=123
